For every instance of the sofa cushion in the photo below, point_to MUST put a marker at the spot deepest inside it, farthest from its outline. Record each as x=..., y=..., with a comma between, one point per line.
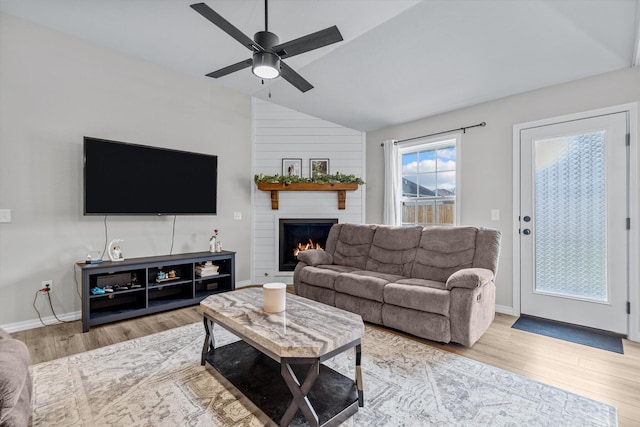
x=338, y=268
x=350, y=244
x=469, y=278
x=364, y=284
x=393, y=249
x=318, y=276
x=423, y=282
x=443, y=251
x=422, y=298
x=487, y=249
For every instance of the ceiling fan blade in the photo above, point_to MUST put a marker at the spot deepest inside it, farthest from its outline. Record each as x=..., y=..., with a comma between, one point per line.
x=231, y=69
x=225, y=26
x=294, y=78
x=309, y=42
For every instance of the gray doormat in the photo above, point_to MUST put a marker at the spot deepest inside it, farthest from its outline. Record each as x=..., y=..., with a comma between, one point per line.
x=573, y=333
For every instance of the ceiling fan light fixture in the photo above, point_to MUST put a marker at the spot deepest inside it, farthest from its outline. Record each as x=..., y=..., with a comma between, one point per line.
x=266, y=65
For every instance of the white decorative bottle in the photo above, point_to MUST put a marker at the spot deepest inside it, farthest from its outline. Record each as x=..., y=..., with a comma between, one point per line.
x=212, y=244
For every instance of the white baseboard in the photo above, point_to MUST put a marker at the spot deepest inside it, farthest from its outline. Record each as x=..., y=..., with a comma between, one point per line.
x=503, y=309
x=35, y=323
x=76, y=315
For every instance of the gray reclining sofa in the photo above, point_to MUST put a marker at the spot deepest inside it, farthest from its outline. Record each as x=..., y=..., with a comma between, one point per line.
x=433, y=282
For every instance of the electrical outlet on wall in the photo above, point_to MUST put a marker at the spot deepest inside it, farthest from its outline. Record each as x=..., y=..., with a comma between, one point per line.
x=46, y=284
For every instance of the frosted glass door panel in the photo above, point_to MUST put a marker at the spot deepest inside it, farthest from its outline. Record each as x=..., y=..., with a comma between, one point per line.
x=572, y=229
x=571, y=216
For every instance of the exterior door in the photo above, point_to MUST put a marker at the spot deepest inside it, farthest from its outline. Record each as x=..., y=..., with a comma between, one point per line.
x=573, y=222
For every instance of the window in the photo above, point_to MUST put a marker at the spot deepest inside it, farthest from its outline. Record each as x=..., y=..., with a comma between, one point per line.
x=429, y=179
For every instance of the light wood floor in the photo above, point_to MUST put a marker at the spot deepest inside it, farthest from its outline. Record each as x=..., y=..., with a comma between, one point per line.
x=599, y=374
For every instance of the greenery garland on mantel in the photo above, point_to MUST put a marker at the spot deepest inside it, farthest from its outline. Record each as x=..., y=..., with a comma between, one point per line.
x=318, y=179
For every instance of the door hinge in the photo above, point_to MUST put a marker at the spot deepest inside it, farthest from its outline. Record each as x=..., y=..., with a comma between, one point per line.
x=628, y=223
x=628, y=307
x=628, y=143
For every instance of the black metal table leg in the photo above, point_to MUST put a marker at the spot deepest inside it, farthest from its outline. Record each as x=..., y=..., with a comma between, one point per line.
x=359, y=383
x=209, y=340
x=299, y=392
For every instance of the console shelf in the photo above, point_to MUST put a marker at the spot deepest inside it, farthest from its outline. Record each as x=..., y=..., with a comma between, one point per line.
x=154, y=295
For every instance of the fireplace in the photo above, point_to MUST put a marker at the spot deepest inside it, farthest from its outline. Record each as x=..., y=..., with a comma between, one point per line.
x=300, y=234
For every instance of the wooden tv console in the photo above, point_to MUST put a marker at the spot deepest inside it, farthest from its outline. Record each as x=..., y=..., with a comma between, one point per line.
x=136, y=289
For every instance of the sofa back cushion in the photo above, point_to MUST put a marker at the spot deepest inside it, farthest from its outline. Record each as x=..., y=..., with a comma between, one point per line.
x=393, y=249
x=444, y=250
x=350, y=244
x=487, y=249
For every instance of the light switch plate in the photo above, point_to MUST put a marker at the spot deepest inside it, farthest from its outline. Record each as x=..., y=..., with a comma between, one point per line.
x=5, y=215
x=237, y=216
x=495, y=214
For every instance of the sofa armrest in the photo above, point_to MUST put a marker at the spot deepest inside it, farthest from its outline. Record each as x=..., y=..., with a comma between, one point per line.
x=315, y=257
x=470, y=278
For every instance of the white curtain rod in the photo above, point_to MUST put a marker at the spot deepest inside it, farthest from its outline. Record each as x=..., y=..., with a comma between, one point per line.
x=463, y=129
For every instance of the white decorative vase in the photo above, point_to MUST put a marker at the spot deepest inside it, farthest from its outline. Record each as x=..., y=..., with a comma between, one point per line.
x=274, y=297
x=212, y=245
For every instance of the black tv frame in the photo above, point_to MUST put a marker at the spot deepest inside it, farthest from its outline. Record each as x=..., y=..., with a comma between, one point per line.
x=174, y=191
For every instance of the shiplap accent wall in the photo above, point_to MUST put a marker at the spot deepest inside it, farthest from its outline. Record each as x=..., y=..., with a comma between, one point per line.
x=277, y=133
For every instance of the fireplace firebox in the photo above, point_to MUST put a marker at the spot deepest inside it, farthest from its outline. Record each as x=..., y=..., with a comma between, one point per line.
x=296, y=234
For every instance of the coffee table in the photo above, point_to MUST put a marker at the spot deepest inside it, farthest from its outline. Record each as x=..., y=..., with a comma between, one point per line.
x=291, y=386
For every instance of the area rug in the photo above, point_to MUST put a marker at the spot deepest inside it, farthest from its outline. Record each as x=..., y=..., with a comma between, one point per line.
x=158, y=381
x=572, y=333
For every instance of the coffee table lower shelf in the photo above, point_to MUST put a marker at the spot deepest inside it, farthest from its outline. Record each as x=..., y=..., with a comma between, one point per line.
x=333, y=396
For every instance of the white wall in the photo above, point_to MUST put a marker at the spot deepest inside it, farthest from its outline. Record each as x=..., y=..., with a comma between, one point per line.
x=487, y=155
x=54, y=89
x=280, y=132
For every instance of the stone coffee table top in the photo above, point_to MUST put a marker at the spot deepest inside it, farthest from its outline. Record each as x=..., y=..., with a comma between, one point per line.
x=305, y=329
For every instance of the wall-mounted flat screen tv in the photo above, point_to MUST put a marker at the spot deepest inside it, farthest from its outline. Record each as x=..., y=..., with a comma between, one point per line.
x=130, y=179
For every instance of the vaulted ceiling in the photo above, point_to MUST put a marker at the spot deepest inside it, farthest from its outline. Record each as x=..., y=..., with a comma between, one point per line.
x=400, y=59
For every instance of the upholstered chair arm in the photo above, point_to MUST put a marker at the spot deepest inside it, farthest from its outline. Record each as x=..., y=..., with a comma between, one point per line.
x=470, y=278
x=315, y=257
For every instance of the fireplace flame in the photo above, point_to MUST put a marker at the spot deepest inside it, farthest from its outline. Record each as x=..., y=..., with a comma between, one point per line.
x=305, y=247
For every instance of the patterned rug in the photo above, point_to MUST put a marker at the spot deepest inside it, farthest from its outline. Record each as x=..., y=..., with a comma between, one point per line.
x=158, y=381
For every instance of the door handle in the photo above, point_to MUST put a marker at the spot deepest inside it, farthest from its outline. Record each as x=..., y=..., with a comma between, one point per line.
x=526, y=231
x=527, y=218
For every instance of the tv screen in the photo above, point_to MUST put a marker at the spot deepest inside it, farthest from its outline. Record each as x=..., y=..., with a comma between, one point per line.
x=131, y=179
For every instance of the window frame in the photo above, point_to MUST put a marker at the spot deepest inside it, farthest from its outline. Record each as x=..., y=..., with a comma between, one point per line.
x=442, y=141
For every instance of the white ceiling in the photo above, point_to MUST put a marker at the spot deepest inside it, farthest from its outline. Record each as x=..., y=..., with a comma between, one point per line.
x=400, y=59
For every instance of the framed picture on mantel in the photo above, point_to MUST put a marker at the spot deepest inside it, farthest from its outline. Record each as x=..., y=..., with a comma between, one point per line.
x=318, y=167
x=292, y=167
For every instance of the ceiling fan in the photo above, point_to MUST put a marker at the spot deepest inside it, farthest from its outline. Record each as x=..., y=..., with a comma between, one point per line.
x=268, y=52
